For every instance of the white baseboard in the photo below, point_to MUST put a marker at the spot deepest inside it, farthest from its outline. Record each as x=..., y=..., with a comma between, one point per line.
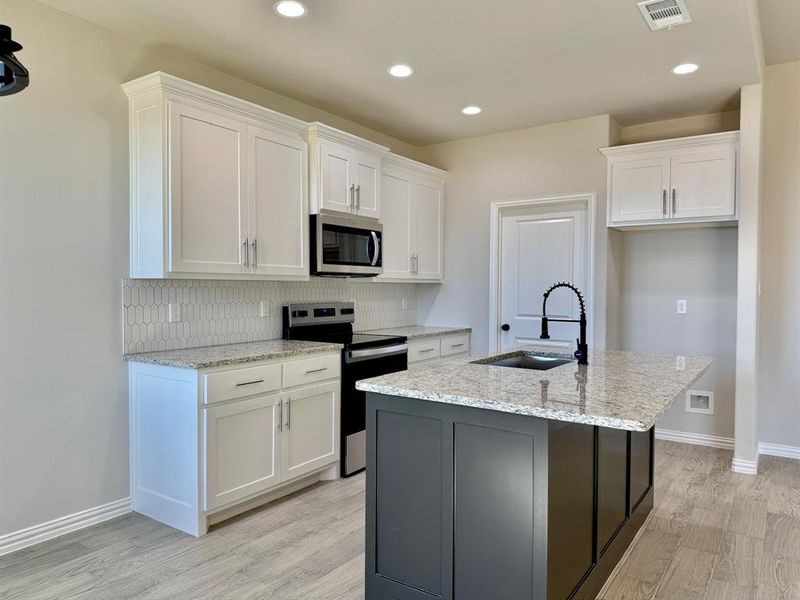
x=779, y=450
x=699, y=439
x=747, y=467
x=29, y=536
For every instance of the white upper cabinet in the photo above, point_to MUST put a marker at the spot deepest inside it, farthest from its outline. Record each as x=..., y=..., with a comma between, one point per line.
x=685, y=180
x=344, y=172
x=278, y=222
x=218, y=185
x=207, y=211
x=412, y=201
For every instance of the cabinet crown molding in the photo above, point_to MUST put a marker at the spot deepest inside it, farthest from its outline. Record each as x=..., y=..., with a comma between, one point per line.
x=322, y=131
x=407, y=164
x=683, y=142
x=166, y=83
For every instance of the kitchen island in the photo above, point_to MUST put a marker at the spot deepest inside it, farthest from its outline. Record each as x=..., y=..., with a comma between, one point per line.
x=496, y=482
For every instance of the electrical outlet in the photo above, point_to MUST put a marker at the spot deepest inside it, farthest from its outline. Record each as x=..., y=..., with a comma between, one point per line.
x=174, y=312
x=404, y=304
x=264, y=308
x=680, y=363
x=683, y=306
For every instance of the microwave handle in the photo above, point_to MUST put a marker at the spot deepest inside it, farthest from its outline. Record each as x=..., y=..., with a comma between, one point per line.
x=377, y=242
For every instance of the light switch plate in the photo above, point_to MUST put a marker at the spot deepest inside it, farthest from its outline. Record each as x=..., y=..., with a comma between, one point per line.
x=264, y=308
x=683, y=306
x=174, y=312
x=680, y=363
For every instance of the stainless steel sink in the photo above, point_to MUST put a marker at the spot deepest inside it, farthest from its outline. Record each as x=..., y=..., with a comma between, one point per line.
x=531, y=361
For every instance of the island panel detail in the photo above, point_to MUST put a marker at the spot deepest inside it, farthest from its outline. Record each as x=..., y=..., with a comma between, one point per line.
x=469, y=504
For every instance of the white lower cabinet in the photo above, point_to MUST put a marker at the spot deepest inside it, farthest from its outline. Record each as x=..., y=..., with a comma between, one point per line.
x=310, y=438
x=436, y=349
x=207, y=444
x=242, y=449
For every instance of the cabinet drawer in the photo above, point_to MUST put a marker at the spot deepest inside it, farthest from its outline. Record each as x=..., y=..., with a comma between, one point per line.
x=455, y=344
x=308, y=371
x=424, y=350
x=237, y=383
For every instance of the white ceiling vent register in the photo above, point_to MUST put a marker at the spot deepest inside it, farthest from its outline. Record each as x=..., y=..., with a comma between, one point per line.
x=661, y=14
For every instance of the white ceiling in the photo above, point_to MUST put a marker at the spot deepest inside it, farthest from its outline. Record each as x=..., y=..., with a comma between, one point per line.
x=526, y=62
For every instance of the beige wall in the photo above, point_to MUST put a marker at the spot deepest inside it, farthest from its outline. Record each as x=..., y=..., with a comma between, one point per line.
x=698, y=265
x=63, y=254
x=555, y=159
x=779, y=380
x=674, y=128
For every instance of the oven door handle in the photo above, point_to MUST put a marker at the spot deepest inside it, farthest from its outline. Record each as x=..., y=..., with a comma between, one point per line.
x=377, y=242
x=368, y=353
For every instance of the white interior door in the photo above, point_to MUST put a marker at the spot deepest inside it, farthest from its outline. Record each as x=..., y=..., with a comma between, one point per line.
x=539, y=247
x=277, y=203
x=396, y=208
x=207, y=214
x=311, y=429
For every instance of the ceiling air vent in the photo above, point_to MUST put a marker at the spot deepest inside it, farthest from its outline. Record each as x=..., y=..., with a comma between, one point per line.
x=661, y=14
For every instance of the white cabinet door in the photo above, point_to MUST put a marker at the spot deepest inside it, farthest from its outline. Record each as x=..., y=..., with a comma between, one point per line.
x=428, y=203
x=311, y=429
x=704, y=184
x=207, y=212
x=365, y=170
x=639, y=189
x=396, y=208
x=338, y=181
x=277, y=203
x=242, y=452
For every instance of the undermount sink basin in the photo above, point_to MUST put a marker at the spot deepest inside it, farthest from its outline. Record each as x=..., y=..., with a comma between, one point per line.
x=531, y=361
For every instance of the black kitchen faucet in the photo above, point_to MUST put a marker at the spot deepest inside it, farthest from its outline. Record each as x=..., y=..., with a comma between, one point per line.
x=582, y=353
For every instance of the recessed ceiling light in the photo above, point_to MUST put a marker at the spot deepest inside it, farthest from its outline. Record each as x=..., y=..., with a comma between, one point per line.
x=685, y=69
x=400, y=71
x=290, y=8
x=471, y=110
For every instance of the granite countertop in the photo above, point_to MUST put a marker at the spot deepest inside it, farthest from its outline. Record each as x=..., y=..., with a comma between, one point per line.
x=419, y=331
x=230, y=354
x=622, y=390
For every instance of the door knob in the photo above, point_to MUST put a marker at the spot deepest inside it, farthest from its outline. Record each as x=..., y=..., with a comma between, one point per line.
x=505, y=327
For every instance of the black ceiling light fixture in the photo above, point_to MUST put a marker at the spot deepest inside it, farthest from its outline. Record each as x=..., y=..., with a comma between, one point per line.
x=13, y=76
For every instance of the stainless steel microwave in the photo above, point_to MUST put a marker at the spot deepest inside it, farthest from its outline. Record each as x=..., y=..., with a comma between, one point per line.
x=346, y=246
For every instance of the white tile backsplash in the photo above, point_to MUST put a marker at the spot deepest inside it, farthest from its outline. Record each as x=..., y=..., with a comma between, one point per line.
x=223, y=312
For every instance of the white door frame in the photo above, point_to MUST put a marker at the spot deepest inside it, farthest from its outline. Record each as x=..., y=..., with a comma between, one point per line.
x=497, y=210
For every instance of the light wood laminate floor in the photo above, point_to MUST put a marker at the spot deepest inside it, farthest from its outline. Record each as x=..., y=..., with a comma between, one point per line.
x=713, y=535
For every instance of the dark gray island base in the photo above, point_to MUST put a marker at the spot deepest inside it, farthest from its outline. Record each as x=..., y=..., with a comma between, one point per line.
x=466, y=503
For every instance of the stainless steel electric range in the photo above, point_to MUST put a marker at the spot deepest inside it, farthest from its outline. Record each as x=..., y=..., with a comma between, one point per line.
x=364, y=355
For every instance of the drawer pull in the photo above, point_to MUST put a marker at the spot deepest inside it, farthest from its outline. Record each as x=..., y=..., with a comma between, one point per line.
x=427, y=350
x=250, y=382
x=309, y=371
x=456, y=345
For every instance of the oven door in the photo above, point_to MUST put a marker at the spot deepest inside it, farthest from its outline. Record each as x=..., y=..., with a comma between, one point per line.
x=346, y=246
x=362, y=364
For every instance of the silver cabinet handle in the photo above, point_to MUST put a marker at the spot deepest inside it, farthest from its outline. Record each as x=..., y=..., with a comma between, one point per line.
x=255, y=253
x=320, y=370
x=289, y=413
x=358, y=197
x=426, y=350
x=246, y=252
x=280, y=417
x=250, y=382
x=456, y=345
x=411, y=264
x=416, y=263
x=664, y=202
x=351, y=198
x=674, y=202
